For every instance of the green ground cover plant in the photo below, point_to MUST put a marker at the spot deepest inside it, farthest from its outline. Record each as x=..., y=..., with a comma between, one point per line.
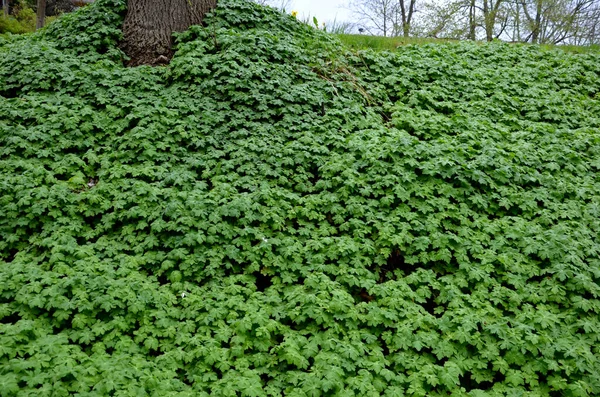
x=274, y=214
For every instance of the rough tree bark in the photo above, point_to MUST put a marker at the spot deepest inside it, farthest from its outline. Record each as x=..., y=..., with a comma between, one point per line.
x=149, y=25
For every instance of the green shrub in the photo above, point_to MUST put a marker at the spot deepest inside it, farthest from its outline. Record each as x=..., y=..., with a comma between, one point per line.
x=10, y=25
x=272, y=214
x=22, y=22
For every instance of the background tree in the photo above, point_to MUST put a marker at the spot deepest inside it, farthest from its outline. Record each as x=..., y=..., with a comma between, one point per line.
x=482, y=19
x=149, y=26
x=450, y=19
x=587, y=30
x=533, y=21
x=560, y=21
x=439, y=20
x=491, y=13
x=41, y=14
x=407, y=10
x=5, y=7
x=379, y=17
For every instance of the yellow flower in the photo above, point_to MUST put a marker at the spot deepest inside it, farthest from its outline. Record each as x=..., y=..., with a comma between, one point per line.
x=294, y=14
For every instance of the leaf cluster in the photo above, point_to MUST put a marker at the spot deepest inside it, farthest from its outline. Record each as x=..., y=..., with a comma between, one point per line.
x=272, y=214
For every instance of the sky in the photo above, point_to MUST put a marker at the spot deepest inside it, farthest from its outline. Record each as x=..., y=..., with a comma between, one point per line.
x=324, y=10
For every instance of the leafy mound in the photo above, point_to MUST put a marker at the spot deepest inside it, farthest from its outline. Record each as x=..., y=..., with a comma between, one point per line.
x=273, y=215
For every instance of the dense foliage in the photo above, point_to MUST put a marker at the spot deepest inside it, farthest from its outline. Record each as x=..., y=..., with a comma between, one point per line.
x=22, y=20
x=273, y=215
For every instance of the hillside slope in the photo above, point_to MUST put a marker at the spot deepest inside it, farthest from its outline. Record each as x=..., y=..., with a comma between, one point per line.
x=272, y=214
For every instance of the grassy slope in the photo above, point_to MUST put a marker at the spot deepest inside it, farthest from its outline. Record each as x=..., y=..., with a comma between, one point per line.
x=273, y=214
x=379, y=43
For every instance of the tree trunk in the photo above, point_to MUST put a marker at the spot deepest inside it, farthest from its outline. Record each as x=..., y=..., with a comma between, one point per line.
x=385, y=19
x=486, y=20
x=403, y=15
x=5, y=7
x=411, y=10
x=538, y=22
x=472, y=22
x=41, y=14
x=517, y=32
x=406, y=16
x=149, y=25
